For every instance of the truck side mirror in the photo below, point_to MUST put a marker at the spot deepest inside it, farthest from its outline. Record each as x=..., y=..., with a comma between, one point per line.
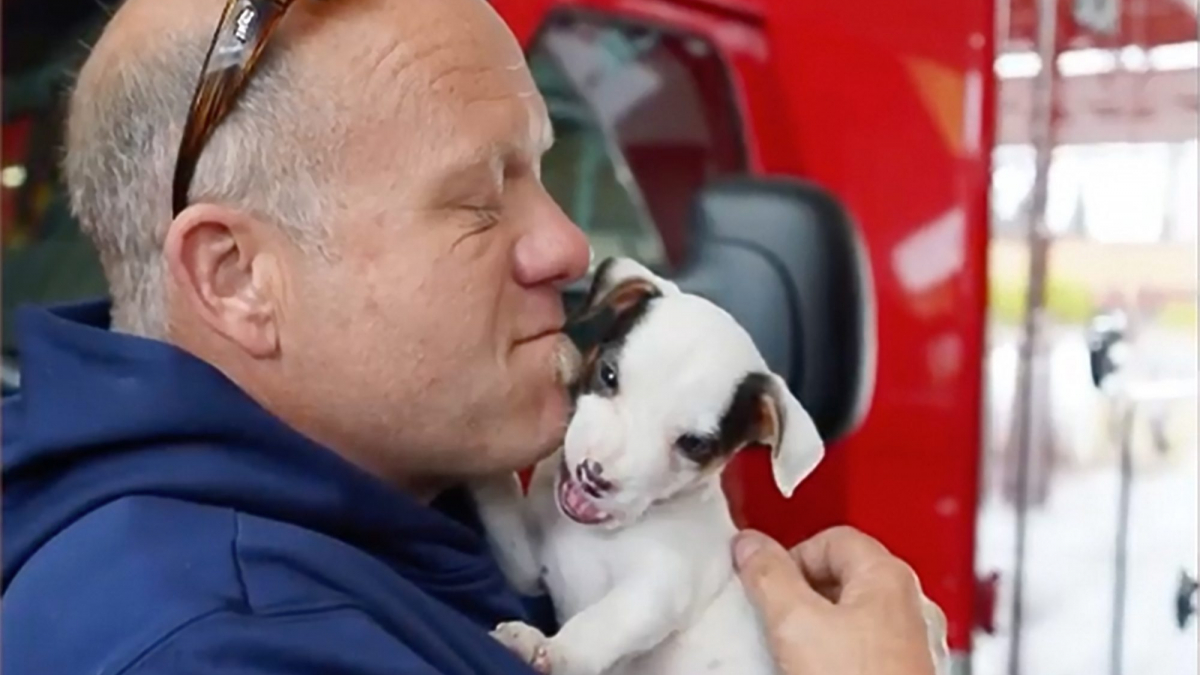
x=785, y=259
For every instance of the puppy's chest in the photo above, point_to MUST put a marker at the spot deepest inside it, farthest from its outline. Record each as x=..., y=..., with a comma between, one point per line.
x=580, y=567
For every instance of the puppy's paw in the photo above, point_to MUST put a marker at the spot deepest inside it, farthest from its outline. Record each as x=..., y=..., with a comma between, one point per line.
x=527, y=642
x=935, y=624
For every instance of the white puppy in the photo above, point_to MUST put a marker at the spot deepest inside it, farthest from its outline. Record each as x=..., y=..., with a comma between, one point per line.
x=627, y=525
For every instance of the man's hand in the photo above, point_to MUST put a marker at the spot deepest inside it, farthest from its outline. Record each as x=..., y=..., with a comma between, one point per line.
x=840, y=604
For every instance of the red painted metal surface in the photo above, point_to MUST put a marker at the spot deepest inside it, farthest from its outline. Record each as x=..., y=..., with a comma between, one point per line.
x=891, y=107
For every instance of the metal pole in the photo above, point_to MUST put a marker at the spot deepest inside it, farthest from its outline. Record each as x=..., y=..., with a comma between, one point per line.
x=1043, y=132
x=1117, y=639
x=1127, y=397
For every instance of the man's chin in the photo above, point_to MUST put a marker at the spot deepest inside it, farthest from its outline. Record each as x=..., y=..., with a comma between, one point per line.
x=527, y=457
x=523, y=446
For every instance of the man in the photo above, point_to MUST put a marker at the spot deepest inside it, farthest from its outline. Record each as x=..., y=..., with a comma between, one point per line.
x=330, y=306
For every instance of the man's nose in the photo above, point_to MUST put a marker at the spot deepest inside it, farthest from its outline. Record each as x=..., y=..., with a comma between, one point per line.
x=553, y=249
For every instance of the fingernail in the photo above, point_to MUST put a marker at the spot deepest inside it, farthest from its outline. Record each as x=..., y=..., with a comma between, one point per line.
x=745, y=545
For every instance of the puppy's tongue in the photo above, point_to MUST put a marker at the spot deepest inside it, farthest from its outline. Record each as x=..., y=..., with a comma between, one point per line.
x=575, y=503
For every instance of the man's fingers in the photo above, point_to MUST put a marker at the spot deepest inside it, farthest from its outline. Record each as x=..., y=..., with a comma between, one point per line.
x=770, y=576
x=837, y=555
x=843, y=557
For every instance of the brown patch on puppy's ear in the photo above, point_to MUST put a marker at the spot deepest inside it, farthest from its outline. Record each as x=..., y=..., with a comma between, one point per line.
x=769, y=431
x=763, y=412
x=615, y=294
x=740, y=425
x=619, y=282
x=628, y=293
x=750, y=416
x=611, y=316
x=796, y=445
x=599, y=285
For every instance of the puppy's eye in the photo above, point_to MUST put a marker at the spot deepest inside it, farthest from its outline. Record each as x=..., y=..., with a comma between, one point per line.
x=693, y=447
x=608, y=376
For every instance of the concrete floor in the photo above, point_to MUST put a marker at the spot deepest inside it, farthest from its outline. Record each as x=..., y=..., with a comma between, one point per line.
x=1071, y=539
x=1070, y=575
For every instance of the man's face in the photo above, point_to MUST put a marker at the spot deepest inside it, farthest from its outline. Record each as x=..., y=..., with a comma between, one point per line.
x=430, y=345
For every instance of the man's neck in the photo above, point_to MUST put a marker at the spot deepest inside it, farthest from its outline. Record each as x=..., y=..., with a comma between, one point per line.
x=422, y=489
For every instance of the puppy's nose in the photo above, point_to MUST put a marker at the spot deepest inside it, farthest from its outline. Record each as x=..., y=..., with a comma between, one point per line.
x=590, y=476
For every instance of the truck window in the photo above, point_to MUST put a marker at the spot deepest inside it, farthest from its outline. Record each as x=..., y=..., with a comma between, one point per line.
x=644, y=119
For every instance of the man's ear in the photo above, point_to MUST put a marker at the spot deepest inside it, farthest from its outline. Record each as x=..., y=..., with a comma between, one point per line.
x=225, y=273
x=790, y=434
x=620, y=283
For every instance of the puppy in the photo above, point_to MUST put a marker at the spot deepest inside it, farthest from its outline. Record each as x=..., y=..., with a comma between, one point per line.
x=626, y=525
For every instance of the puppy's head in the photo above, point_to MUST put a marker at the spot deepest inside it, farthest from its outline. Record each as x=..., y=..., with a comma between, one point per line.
x=672, y=388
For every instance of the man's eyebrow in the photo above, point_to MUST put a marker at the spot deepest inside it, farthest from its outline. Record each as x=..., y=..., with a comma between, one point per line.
x=493, y=154
x=464, y=170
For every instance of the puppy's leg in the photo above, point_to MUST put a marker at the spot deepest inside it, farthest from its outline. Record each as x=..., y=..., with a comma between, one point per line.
x=527, y=642
x=632, y=619
x=502, y=509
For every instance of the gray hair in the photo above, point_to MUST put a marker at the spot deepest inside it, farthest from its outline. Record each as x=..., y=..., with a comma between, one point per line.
x=123, y=130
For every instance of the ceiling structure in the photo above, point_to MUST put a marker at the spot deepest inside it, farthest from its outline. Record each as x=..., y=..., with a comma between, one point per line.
x=1128, y=70
x=1117, y=95
x=1080, y=23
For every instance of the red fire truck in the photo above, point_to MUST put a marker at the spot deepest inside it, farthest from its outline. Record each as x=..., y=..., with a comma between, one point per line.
x=822, y=169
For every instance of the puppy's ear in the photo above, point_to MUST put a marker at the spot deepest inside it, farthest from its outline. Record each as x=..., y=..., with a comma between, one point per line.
x=786, y=428
x=619, y=283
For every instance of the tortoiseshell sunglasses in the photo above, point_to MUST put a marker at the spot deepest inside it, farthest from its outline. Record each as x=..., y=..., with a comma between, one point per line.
x=236, y=46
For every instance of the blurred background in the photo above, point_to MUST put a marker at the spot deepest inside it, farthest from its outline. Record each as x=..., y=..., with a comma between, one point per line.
x=965, y=231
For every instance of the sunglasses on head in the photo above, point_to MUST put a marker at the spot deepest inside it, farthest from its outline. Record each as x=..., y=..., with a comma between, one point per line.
x=236, y=46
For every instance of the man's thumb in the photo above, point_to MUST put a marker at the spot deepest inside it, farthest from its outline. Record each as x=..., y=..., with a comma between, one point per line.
x=771, y=578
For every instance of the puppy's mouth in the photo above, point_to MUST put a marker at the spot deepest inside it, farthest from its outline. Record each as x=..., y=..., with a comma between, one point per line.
x=575, y=503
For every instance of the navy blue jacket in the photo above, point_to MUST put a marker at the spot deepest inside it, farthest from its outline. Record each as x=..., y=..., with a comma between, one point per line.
x=156, y=520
